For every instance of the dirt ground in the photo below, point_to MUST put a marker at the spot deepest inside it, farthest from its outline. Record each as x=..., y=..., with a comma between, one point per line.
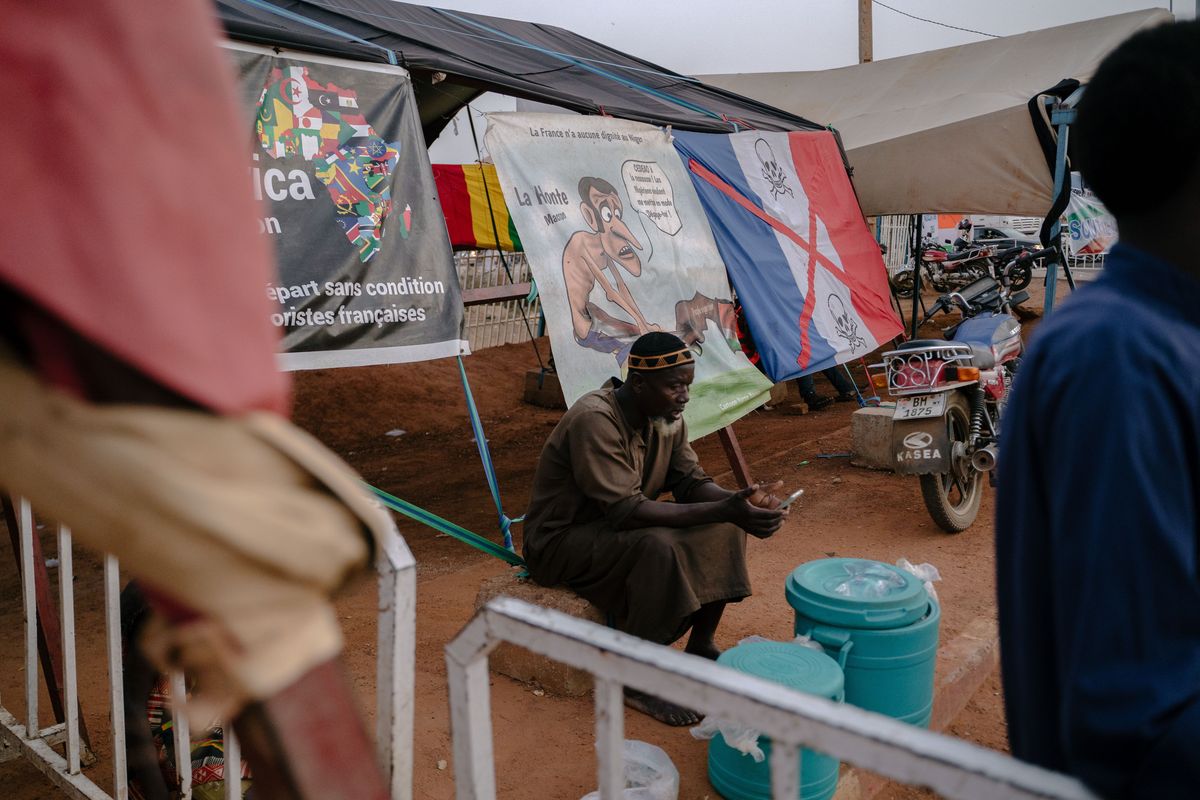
x=543, y=743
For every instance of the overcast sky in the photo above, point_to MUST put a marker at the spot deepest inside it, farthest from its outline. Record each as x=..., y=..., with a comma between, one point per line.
x=716, y=36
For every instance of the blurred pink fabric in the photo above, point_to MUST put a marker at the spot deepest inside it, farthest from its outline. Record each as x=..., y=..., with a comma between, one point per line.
x=128, y=209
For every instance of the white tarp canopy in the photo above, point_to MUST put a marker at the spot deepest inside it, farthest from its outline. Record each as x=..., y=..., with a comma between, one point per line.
x=948, y=130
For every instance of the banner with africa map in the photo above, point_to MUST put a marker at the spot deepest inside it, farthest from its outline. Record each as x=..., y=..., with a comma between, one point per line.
x=619, y=245
x=336, y=157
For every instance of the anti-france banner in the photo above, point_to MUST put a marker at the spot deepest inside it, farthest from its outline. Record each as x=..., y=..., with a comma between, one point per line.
x=1088, y=226
x=805, y=266
x=619, y=246
x=336, y=156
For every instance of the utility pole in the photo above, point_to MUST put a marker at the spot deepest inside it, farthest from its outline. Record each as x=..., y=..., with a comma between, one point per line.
x=864, y=31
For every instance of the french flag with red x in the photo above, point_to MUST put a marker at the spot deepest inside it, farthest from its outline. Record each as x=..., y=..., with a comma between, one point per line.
x=806, y=268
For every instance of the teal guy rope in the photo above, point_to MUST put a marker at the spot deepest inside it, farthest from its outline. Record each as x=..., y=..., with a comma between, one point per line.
x=312, y=23
x=861, y=402
x=485, y=456
x=595, y=70
x=424, y=517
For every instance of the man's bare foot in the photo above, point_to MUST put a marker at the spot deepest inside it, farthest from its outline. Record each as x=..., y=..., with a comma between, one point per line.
x=661, y=710
x=707, y=650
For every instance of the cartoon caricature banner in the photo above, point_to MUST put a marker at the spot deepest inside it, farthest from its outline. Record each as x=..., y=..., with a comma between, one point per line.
x=619, y=246
x=807, y=270
x=336, y=157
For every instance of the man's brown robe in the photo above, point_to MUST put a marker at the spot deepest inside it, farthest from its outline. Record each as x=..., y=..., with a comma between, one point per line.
x=594, y=470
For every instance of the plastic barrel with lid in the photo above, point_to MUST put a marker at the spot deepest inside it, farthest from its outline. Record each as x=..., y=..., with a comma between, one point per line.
x=879, y=623
x=736, y=776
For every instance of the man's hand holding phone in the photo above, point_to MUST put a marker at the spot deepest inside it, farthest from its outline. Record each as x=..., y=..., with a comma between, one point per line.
x=791, y=498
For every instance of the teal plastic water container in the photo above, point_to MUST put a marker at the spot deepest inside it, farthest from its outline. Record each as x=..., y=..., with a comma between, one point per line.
x=736, y=776
x=880, y=625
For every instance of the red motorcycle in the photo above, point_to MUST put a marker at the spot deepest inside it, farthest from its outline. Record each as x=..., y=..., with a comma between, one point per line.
x=945, y=271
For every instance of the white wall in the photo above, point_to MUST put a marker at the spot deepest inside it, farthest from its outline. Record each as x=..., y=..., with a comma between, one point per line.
x=455, y=145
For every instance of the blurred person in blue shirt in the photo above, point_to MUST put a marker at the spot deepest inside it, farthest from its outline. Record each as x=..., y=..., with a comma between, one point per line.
x=1098, y=512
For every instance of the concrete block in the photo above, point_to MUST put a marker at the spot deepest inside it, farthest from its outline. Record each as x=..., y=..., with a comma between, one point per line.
x=871, y=438
x=529, y=667
x=543, y=389
x=785, y=392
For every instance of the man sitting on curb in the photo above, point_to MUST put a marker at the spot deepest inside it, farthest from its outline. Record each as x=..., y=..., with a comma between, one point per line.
x=595, y=523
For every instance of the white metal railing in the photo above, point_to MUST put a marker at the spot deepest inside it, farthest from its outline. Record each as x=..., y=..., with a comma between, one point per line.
x=29, y=739
x=893, y=749
x=394, y=676
x=494, y=324
x=894, y=234
x=395, y=661
x=1086, y=261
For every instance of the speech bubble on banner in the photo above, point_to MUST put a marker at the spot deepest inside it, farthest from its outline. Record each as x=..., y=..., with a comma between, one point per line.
x=650, y=193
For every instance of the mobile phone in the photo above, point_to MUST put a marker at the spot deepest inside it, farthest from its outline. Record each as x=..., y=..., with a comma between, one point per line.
x=791, y=498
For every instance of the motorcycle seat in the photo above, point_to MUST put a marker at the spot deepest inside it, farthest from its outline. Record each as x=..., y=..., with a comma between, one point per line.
x=961, y=255
x=914, y=343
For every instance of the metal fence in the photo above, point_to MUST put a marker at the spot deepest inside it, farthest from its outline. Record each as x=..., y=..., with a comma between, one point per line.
x=394, y=675
x=497, y=323
x=895, y=750
x=1090, y=261
x=894, y=234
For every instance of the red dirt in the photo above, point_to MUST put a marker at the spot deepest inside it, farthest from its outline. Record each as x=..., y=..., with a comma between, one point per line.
x=544, y=743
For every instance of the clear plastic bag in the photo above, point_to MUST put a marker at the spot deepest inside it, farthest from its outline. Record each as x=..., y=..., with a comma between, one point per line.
x=868, y=580
x=740, y=737
x=649, y=774
x=805, y=640
x=926, y=572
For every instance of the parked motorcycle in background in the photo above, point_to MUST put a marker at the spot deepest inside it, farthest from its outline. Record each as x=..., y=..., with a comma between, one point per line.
x=950, y=394
x=944, y=270
x=962, y=265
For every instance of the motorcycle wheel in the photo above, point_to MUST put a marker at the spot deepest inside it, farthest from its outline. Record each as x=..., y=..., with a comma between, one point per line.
x=902, y=283
x=1020, y=277
x=952, y=498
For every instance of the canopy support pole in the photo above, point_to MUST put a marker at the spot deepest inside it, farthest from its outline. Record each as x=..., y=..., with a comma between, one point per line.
x=1061, y=118
x=915, y=236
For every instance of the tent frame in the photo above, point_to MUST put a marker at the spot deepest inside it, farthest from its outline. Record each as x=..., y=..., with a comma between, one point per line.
x=1062, y=115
